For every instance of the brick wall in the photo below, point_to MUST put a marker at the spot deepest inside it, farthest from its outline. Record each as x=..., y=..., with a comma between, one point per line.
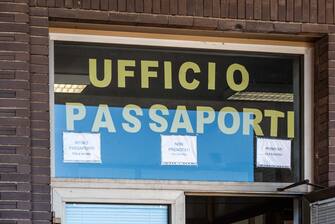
x=15, y=158
x=325, y=110
x=331, y=110
x=308, y=11
x=39, y=114
x=321, y=117
x=24, y=100
x=289, y=17
x=24, y=114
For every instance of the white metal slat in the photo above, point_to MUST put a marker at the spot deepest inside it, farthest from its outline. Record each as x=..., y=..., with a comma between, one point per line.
x=116, y=214
x=323, y=213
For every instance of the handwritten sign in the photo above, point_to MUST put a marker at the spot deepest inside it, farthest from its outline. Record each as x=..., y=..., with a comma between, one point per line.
x=179, y=150
x=273, y=153
x=81, y=147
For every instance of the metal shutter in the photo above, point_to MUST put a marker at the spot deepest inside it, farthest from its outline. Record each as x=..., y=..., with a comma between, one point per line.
x=116, y=214
x=323, y=212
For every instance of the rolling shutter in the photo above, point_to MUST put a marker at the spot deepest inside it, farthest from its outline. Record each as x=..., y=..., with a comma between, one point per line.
x=116, y=214
x=323, y=212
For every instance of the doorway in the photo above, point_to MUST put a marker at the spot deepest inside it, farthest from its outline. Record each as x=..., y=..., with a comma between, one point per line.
x=238, y=210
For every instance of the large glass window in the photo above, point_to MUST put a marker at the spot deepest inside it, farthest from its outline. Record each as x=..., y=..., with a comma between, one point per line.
x=140, y=112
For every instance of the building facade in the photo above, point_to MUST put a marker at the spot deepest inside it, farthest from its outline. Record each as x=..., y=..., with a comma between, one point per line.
x=261, y=47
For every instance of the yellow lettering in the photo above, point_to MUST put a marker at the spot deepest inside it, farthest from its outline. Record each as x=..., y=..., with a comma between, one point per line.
x=211, y=75
x=146, y=74
x=274, y=115
x=123, y=73
x=248, y=121
x=230, y=77
x=182, y=75
x=92, y=64
x=290, y=124
x=167, y=75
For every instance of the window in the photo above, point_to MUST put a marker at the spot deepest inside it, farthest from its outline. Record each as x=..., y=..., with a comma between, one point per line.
x=323, y=212
x=83, y=204
x=116, y=213
x=231, y=102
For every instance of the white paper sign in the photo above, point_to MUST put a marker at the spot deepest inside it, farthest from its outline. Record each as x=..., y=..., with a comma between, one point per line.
x=274, y=153
x=179, y=150
x=81, y=147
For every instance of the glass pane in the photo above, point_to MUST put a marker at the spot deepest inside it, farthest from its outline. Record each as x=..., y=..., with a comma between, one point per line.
x=179, y=114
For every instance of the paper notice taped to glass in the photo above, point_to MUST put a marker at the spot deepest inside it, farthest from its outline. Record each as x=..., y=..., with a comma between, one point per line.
x=81, y=147
x=179, y=150
x=274, y=153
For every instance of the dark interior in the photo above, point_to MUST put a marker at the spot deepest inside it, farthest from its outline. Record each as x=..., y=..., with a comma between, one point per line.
x=238, y=210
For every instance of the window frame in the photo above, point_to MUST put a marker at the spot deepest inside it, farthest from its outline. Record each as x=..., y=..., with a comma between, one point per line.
x=61, y=186
x=174, y=199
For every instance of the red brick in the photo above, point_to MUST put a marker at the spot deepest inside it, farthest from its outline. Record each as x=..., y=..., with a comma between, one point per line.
x=147, y=6
x=206, y=23
x=190, y=7
x=39, y=40
x=121, y=5
x=208, y=8
x=182, y=8
x=112, y=5
x=233, y=9
x=92, y=15
x=180, y=21
x=13, y=7
x=37, y=11
x=231, y=25
x=314, y=28
x=216, y=8
x=21, y=17
x=298, y=10
x=152, y=19
x=274, y=10
x=39, y=21
x=259, y=27
x=13, y=46
x=321, y=11
x=139, y=6
x=289, y=10
x=224, y=9
x=62, y=13
x=42, y=215
x=265, y=10
x=6, y=17
x=15, y=214
x=123, y=17
x=39, y=49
